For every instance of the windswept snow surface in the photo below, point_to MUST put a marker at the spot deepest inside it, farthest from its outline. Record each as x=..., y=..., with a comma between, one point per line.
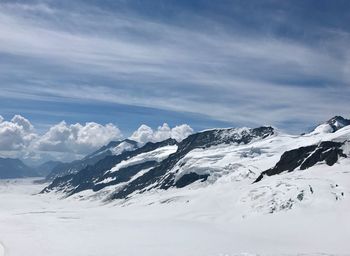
x=2, y=250
x=215, y=220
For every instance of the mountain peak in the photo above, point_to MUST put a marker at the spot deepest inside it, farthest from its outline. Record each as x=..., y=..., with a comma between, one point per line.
x=338, y=122
x=332, y=125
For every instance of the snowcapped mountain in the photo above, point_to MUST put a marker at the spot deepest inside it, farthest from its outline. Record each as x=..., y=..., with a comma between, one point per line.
x=114, y=169
x=113, y=148
x=152, y=164
x=14, y=168
x=263, y=169
x=332, y=125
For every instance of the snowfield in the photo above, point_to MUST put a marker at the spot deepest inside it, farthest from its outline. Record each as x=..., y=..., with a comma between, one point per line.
x=216, y=220
x=2, y=250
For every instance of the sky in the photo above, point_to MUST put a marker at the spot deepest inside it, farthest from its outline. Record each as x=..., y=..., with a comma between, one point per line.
x=114, y=65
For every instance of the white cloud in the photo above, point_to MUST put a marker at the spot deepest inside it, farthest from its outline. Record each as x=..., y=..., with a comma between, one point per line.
x=19, y=139
x=77, y=138
x=16, y=134
x=145, y=133
x=67, y=142
x=23, y=122
x=181, y=132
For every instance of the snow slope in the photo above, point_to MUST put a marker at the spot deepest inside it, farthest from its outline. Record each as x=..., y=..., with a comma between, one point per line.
x=193, y=221
x=158, y=155
x=161, y=174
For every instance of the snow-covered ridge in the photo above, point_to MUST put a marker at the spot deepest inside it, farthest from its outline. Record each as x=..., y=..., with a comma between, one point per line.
x=157, y=155
x=332, y=125
x=161, y=158
x=113, y=148
x=212, y=158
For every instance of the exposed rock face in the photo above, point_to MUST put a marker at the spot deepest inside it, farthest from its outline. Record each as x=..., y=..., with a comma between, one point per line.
x=338, y=122
x=306, y=157
x=190, y=178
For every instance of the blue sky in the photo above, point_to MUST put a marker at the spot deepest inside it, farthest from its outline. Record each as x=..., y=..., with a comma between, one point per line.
x=203, y=63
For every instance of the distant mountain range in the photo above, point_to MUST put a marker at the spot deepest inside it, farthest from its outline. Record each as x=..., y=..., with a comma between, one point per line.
x=46, y=168
x=204, y=158
x=113, y=148
x=15, y=168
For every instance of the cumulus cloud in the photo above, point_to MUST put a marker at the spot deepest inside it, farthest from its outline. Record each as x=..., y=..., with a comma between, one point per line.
x=66, y=142
x=19, y=137
x=23, y=122
x=145, y=133
x=77, y=138
x=16, y=134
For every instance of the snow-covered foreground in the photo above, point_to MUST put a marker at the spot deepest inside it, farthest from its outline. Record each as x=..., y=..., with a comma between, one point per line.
x=210, y=221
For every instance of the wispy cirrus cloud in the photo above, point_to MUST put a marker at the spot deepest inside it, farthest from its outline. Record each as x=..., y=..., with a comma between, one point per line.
x=81, y=51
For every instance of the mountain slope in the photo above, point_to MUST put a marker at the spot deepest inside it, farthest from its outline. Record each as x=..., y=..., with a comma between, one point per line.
x=113, y=148
x=14, y=168
x=45, y=168
x=158, y=174
x=102, y=174
x=262, y=169
x=332, y=125
x=306, y=157
x=163, y=177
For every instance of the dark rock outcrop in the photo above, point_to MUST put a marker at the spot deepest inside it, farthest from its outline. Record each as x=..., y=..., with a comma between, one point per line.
x=190, y=178
x=306, y=157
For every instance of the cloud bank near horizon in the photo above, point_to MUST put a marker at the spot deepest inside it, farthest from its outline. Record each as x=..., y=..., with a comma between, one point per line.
x=65, y=142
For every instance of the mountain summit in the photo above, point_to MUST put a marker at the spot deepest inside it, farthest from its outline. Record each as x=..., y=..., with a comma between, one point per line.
x=332, y=125
x=338, y=122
